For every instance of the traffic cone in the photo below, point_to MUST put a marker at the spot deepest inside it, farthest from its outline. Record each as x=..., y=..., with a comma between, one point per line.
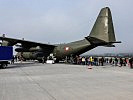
x=90, y=67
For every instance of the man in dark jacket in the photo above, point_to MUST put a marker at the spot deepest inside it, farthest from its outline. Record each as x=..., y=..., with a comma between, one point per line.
x=131, y=62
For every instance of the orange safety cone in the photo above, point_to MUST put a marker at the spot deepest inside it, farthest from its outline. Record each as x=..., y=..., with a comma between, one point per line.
x=90, y=67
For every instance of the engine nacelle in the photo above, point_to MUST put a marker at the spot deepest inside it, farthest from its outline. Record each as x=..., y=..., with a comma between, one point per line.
x=31, y=55
x=21, y=50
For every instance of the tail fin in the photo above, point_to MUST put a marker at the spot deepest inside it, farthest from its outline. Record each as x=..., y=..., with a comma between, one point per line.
x=103, y=29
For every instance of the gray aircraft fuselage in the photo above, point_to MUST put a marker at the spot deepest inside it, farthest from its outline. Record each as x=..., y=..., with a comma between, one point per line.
x=73, y=48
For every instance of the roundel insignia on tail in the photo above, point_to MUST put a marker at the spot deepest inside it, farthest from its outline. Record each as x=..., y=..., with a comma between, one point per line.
x=67, y=48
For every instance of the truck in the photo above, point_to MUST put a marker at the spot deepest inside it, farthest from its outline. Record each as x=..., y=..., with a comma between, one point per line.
x=6, y=55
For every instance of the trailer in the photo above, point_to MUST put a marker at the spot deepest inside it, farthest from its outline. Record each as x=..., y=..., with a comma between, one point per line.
x=6, y=55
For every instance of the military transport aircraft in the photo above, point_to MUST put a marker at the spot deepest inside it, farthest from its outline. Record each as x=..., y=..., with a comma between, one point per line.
x=102, y=34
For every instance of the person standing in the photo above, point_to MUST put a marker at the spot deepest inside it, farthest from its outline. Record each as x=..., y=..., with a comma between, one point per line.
x=110, y=61
x=121, y=62
x=96, y=61
x=91, y=61
x=43, y=60
x=12, y=61
x=131, y=62
x=16, y=58
x=125, y=62
x=102, y=61
x=116, y=61
x=83, y=60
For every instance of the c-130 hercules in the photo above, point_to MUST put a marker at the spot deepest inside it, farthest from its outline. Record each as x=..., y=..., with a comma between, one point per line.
x=102, y=34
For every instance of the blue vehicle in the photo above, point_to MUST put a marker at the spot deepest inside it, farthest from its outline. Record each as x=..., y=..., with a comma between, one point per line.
x=6, y=55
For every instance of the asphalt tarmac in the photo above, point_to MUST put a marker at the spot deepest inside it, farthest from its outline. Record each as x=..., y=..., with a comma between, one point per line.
x=34, y=81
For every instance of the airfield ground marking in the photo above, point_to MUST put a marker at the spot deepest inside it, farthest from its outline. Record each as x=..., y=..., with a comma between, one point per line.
x=42, y=88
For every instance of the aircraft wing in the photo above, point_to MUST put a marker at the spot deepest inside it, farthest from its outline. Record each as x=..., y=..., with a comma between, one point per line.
x=11, y=41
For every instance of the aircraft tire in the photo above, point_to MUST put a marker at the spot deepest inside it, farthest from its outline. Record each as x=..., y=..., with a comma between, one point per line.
x=3, y=66
x=40, y=61
x=56, y=61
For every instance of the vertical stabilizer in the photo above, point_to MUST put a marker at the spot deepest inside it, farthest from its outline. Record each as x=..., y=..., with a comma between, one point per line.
x=103, y=28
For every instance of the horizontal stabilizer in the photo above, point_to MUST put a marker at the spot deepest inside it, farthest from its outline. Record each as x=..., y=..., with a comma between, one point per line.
x=98, y=42
x=109, y=45
x=95, y=41
x=115, y=42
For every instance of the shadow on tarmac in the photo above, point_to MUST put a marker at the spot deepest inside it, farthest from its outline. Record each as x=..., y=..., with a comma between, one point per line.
x=23, y=64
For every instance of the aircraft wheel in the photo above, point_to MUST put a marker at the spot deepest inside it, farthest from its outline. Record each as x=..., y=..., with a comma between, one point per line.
x=56, y=61
x=40, y=61
x=3, y=66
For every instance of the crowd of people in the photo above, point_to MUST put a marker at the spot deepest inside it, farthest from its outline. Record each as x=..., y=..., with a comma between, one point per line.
x=101, y=61
x=95, y=61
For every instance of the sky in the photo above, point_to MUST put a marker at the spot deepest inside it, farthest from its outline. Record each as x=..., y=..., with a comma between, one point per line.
x=63, y=21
